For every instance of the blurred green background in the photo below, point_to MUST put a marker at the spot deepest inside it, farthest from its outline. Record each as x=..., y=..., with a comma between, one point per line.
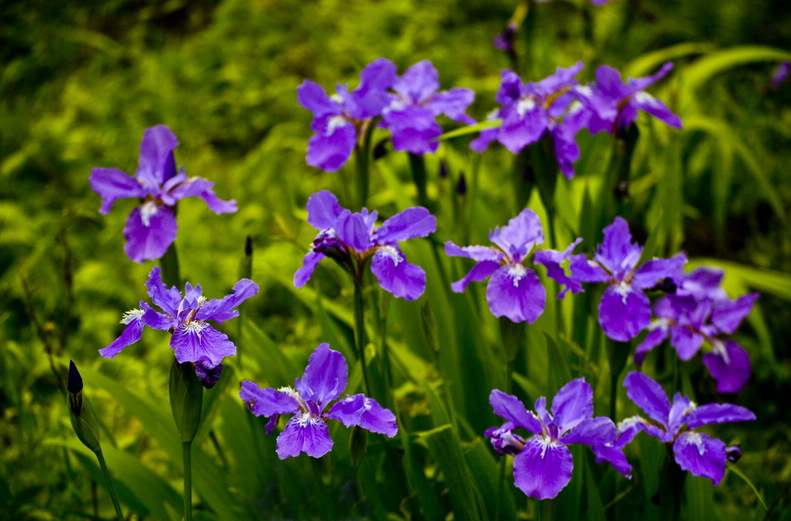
x=80, y=81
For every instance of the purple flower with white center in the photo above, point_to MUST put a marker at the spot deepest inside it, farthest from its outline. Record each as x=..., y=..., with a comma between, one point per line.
x=306, y=431
x=615, y=104
x=151, y=227
x=413, y=108
x=338, y=119
x=543, y=464
x=514, y=290
x=699, y=311
x=624, y=309
x=187, y=317
x=531, y=110
x=674, y=423
x=352, y=239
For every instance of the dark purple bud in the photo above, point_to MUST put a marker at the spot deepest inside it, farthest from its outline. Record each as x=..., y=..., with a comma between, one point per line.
x=208, y=376
x=443, y=170
x=781, y=75
x=461, y=187
x=505, y=40
x=248, y=246
x=380, y=149
x=667, y=285
x=504, y=441
x=733, y=453
x=74, y=384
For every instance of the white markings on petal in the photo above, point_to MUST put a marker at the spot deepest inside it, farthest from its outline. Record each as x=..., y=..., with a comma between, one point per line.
x=718, y=347
x=391, y=253
x=697, y=439
x=524, y=106
x=623, y=289
x=334, y=123
x=546, y=442
x=584, y=90
x=516, y=271
x=195, y=327
x=643, y=97
x=148, y=209
x=131, y=316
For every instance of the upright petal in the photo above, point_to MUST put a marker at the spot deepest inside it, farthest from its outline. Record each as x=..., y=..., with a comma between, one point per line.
x=323, y=210
x=156, y=164
x=112, y=184
x=372, y=96
x=168, y=300
x=522, y=233
x=648, y=395
x=396, y=275
x=353, y=231
x=572, y=404
x=149, y=231
x=408, y=224
x=196, y=341
x=312, y=96
x=701, y=455
x=513, y=410
x=617, y=253
x=304, y=433
x=516, y=292
x=325, y=376
x=624, y=312
x=267, y=402
x=358, y=410
x=543, y=468
x=418, y=83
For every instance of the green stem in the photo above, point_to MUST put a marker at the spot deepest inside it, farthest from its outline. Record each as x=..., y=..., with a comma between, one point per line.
x=359, y=328
x=186, y=449
x=418, y=166
x=110, y=486
x=362, y=163
x=169, y=263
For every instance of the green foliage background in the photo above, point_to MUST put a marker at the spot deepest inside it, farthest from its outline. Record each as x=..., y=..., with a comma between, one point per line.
x=81, y=81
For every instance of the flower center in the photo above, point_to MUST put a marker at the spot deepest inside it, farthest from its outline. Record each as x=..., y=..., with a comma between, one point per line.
x=524, y=106
x=391, y=253
x=148, y=209
x=334, y=123
x=516, y=271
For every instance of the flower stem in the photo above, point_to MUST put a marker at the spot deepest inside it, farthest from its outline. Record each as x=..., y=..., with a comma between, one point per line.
x=186, y=450
x=171, y=275
x=363, y=165
x=118, y=514
x=359, y=329
x=418, y=166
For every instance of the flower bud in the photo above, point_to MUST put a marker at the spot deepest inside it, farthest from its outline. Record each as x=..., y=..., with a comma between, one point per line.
x=83, y=419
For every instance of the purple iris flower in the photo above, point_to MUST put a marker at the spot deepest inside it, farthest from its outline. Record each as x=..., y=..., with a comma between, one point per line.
x=351, y=239
x=187, y=317
x=624, y=309
x=674, y=423
x=151, y=227
x=699, y=311
x=614, y=104
x=324, y=381
x=514, y=290
x=531, y=110
x=337, y=119
x=543, y=464
x=413, y=108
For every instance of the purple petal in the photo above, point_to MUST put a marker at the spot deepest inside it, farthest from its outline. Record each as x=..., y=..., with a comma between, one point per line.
x=654, y=337
x=524, y=123
x=624, y=312
x=332, y=145
x=655, y=270
x=592, y=431
x=325, y=376
x=267, y=402
x=371, y=96
x=413, y=130
x=729, y=365
x=510, y=88
x=617, y=254
x=478, y=253
x=312, y=96
x=485, y=138
x=323, y=210
x=168, y=300
x=131, y=334
x=112, y=184
x=648, y=395
x=656, y=108
x=638, y=84
x=199, y=187
x=309, y=263
x=686, y=341
x=353, y=230
x=516, y=292
x=503, y=439
x=542, y=469
x=396, y=275
x=149, y=231
x=562, y=77
x=728, y=315
x=411, y=223
x=156, y=164
x=520, y=235
x=701, y=455
x=453, y=103
x=572, y=404
x=304, y=433
x=551, y=259
x=357, y=410
x=418, y=83
x=614, y=456
x=481, y=271
x=208, y=375
x=221, y=310
x=513, y=410
x=585, y=271
x=197, y=341
x=717, y=413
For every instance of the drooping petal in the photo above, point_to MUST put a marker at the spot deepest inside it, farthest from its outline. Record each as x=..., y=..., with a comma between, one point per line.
x=478, y=253
x=419, y=140
x=312, y=96
x=729, y=314
x=481, y=271
x=325, y=376
x=613, y=455
x=332, y=145
x=396, y=275
x=453, y=103
x=202, y=188
x=156, y=164
x=686, y=341
x=572, y=404
x=516, y=292
x=624, y=312
x=304, y=433
x=524, y=122
x=323, y=209
x=592, y=431
x=729, y=365
x=268, y=401
x=411, y=223
x=221, y=310
x=648, y=395
x=149, y=231
x=585, y=271
x=651, y=272
x=653, y=106
x=711, y=413
x=485, y=138
x=512, y=409
x=655, y=336
x=358, y=410
x=551, y=260
x=131, y=334
x=197, y=341
x=701, y=455
x=309, y=263
x=543, y=468
x=112, y=184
